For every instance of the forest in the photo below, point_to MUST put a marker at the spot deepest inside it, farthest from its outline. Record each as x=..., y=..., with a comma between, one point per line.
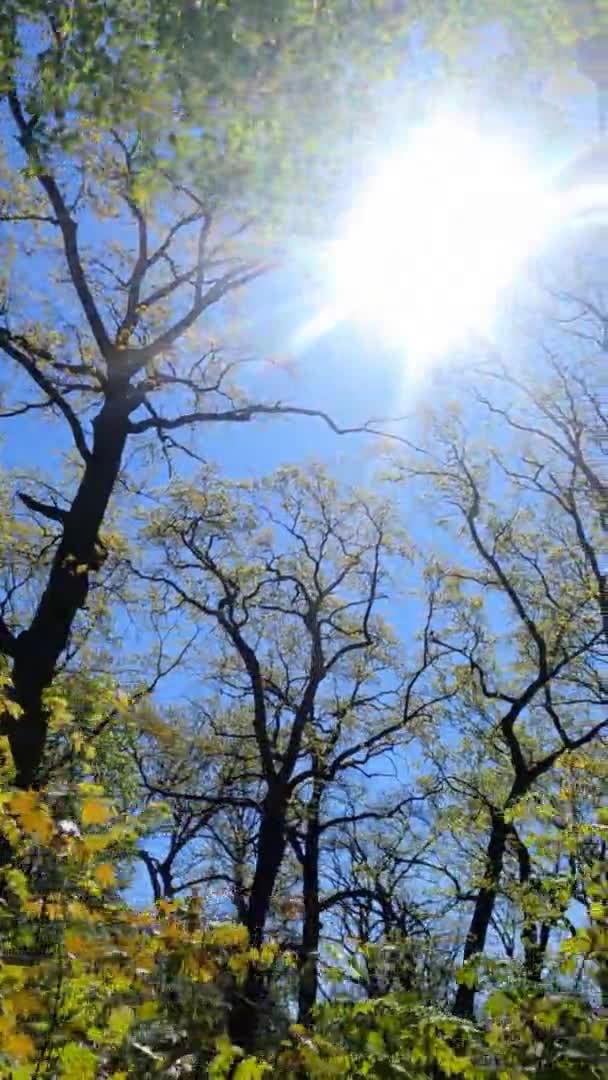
x=303, y=630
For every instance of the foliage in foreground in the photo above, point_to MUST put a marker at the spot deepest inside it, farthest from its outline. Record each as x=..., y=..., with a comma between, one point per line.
x=90, y=987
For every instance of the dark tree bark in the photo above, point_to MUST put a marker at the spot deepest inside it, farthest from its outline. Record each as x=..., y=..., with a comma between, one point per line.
x=37, y=650
x=482, y=912
x=271, y=849
x=160, y=875
x=247, y=1001
x=311, y=923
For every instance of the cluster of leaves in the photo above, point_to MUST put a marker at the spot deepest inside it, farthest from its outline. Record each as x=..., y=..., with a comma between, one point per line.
x=92, y=988
x=553, y=1038
x=89, y=986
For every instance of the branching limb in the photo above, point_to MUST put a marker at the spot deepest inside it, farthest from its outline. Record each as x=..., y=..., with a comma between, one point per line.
x=18, y=353
x=55, y=513
x=248, y=412
x=67, y=225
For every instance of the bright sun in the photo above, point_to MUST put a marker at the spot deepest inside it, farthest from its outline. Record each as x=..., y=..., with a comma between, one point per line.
x=437, y=237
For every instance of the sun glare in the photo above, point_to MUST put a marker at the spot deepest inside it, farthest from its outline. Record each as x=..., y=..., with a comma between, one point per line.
x=438, y=237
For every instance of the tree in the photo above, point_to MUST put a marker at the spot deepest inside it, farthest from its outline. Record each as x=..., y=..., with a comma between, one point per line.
x=526, y=623
x=142, y=234
x=294, y=618
x=379, y=918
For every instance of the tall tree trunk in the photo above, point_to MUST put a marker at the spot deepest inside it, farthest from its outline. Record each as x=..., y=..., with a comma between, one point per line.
x=464, y=1003
x=271, y=849
x=38, y=649
x=247, y=1000
x=311, y=922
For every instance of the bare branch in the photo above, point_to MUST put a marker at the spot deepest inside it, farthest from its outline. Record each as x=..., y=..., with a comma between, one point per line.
x=248, y=412
x=138, y=358
x=68, y=229
x=8, y=343
x=55, y=513
x=21, y=410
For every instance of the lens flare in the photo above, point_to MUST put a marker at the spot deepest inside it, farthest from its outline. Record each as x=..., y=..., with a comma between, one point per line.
x=438, y=236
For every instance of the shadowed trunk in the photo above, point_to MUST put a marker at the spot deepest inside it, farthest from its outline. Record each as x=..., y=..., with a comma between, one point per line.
x=271, y=849
x=38, y=649
x=311, y=924
x=464, y=1003
x=247, y=1000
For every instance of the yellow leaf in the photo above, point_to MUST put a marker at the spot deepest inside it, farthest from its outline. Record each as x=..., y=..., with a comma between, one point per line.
x=17, y=882
x=171, y=933
x=120, y=1020
x=11, y=832
x=199, y=968
x=268, y=954
x=165, y=906
x=33, y=908
x=239, y=964
x=22, y=802
x=33, y=817
x=96, y=842
x=228, y=935
x=76, y=944
x=105, y=875
x=19, y=1046
x=26, y=1003
x=145, y=965
x=78, y=910
x=38, y=824
x=7, y=1025
x=95, y=812
x=12, y=708
x=148, y=1010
